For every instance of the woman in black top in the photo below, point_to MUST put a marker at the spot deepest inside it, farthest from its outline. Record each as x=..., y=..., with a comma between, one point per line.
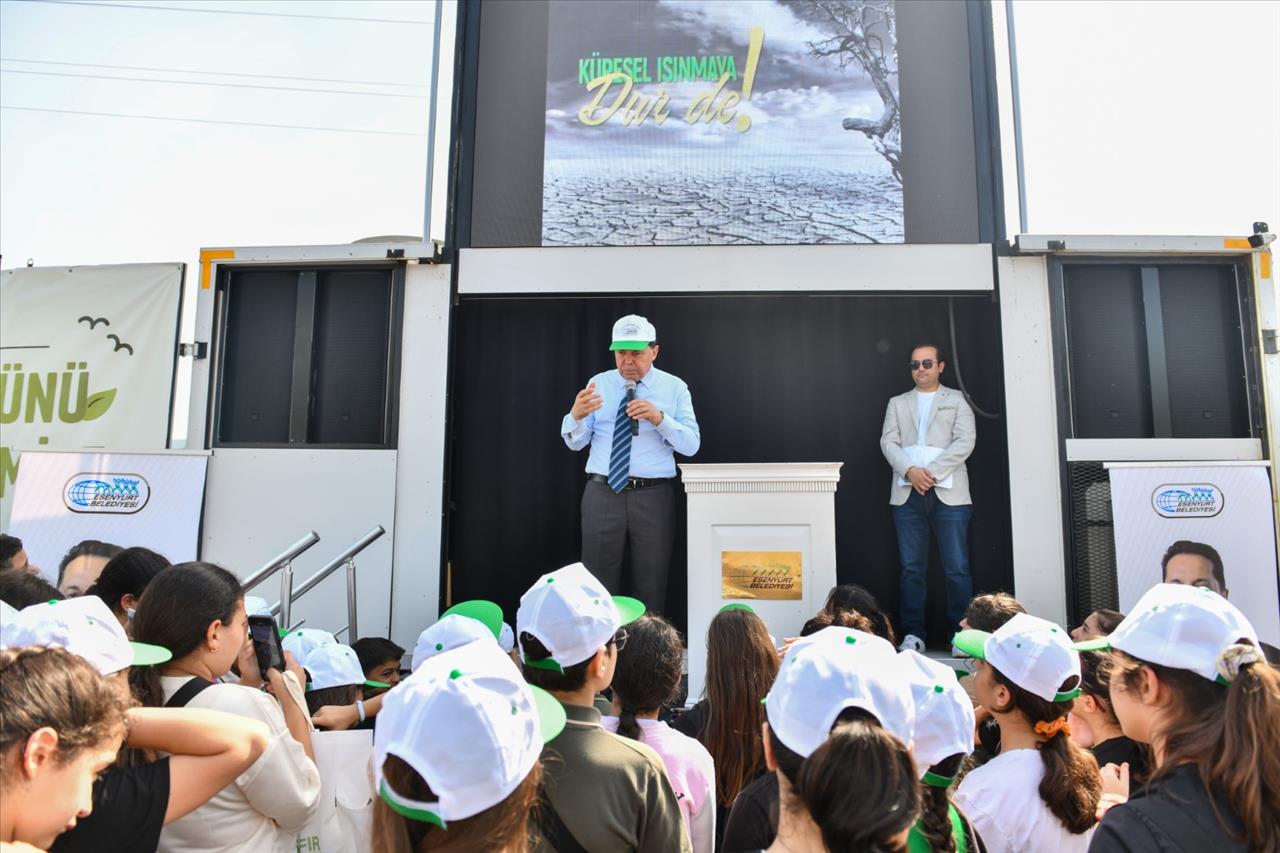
x=1094, y=724
x=1189, y=678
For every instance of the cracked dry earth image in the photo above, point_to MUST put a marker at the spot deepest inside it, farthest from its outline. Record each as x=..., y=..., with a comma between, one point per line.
x=730, y=208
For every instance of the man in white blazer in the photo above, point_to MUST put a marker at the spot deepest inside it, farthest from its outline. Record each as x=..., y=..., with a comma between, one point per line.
x=928, y=434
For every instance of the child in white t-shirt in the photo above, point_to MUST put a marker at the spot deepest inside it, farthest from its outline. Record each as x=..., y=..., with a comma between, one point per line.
x=1041, y=792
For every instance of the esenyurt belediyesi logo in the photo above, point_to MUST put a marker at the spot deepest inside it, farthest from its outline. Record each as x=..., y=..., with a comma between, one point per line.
x=106, y=493
x=1187, y=500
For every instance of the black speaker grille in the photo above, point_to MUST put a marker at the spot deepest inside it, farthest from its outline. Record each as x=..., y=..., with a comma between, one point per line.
x=1093, y=544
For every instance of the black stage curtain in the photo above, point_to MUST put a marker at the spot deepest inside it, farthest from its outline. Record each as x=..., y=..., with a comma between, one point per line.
x=774, y=378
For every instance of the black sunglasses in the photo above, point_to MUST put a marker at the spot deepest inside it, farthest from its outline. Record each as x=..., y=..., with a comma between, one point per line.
x=620, y=639
x=927, y=364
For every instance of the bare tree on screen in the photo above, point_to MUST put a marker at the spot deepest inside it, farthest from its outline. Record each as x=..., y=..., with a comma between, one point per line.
x=863, y=31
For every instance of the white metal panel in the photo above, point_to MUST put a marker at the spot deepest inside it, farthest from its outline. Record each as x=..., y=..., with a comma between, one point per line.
x=1115, y=244
x=424, y=361
x=1162, y=449
x=260, y=501
x=339, y=253
x=1031, y=418
x=712, y=269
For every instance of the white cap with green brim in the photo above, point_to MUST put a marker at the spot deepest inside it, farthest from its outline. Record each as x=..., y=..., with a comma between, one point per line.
x=303, y=641
x=633, y=332
x=336, y=665
x=487, y=613
x=944, y=713
x=1183, y=627
x=453, y=630
x=86, y=627
x=829, y=671
x=470, y=726
x=1033, y=653
x=571, y=613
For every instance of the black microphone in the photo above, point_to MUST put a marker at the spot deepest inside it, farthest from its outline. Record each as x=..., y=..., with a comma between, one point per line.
x=631, y=395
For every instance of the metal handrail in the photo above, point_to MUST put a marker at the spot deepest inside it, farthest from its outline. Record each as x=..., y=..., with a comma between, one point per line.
x=279, y=562
x=288, y=595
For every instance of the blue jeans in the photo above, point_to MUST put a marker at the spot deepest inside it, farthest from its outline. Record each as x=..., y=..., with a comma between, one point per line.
x=950, y=524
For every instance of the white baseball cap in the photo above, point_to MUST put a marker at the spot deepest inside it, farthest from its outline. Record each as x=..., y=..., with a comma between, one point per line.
x=507, y=638
x=571, y=613
x=1179, y=626
x=256, y=605
x=303, y=641
x=336, y=665
x=1033, y=653
x=944, y=713
x=834, y=669
x=452, y=631
x=470, y=726
x=86, y=627
x=633, y=332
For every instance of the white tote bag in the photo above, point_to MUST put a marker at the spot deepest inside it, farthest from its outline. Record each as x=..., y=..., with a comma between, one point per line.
x=344, y=821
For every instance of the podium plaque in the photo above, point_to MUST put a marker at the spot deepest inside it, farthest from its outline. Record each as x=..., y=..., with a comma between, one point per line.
x=763, y=535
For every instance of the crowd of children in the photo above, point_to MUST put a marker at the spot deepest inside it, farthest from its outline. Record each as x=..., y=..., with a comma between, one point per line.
x=136, y=716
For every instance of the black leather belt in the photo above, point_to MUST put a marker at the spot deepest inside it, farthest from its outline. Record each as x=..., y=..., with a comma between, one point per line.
x=633, y=482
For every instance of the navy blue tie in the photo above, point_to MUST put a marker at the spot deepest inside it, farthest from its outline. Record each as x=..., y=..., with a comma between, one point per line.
x=620, y=457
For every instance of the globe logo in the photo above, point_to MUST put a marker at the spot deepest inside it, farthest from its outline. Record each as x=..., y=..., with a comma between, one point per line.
x=1187, y=500
x=95, y=492
x=81, y=492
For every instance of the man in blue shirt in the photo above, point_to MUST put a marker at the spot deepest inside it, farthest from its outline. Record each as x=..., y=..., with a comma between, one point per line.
x=629, y=498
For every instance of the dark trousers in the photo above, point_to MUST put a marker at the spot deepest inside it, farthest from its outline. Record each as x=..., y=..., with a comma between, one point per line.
x=950, y=525
x=642, y=518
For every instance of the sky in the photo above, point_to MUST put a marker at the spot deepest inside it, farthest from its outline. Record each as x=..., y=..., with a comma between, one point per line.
x=142, y=131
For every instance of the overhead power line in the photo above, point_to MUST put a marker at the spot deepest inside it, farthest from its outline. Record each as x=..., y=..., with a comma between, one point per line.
x=208, y=73
x=212, y=121
x=154, y=8
x=209, y=83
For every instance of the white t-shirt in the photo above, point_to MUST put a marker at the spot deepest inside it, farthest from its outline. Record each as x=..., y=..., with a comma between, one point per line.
x=263, y=809
x=924, y=402
x=1002, y=798
x=692, y=773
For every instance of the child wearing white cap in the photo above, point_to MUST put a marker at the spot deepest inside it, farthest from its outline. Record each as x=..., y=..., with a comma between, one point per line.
x=205, y=750
x=943, y=737
x=457, y=753
x=606, y=793
x=840, y=721
x=336, y=677
x=1041, y=792
x=1189, y=679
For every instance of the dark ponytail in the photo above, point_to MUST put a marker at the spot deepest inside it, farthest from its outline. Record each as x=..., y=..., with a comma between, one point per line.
x=648, y=670
x=935, y=804
x=1231, y=733
x=859, y=787
x=127, y=573
x=1071, y=785
x=175, y=612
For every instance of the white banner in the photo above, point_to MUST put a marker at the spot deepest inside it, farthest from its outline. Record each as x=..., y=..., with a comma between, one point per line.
x=148, y=499
x=86, y=359
x=1227, y=507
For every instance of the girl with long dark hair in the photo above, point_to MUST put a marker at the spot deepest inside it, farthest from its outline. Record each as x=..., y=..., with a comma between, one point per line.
x=645, y=681
x=196, y=610
x=1042, y=791
x=741, y=666
x=1189, y=678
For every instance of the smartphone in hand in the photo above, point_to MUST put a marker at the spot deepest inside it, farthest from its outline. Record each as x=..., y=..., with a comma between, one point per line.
x=266, y=643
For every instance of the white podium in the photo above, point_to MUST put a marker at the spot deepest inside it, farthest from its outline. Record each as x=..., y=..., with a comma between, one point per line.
x=763, y=535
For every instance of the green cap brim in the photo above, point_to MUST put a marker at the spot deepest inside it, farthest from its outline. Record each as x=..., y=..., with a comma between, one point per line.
x=972, y=642
x=389, y=797
x=1097, y=644
x=551, y=716
x=284, y=632
x=548, y=664
x=631, y=345
x=629, y=609
x=369, y=683
x=145, y=654
x=485, y=612
x=737, y=606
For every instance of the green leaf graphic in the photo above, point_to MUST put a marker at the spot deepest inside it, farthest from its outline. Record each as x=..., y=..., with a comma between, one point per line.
x=99, y=403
